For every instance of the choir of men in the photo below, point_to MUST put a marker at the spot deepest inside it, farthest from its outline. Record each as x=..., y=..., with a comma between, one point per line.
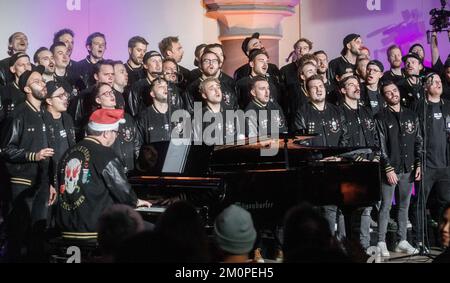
x=346, y=102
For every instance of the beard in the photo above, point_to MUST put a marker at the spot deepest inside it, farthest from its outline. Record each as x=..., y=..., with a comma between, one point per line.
x=209, y=73
x=48, y=71
x=321, y=71
x=39, y=94
x=355, y=51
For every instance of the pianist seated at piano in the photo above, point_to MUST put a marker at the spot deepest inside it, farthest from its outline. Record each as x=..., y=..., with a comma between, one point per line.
x=219, y=125
x=264, y=115
x=91, y=178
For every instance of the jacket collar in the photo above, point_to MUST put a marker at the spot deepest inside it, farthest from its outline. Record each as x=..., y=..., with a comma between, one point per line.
x=317, y=109
x=350, y=108
x=392, y=109
x=31, y=106
x=94, y=140
x=259, y=104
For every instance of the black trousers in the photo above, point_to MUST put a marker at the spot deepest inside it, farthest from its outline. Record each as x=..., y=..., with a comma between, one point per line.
x=26, y=223
x=438, y=181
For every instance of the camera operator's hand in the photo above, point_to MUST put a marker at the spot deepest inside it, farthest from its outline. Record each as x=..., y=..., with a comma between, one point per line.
x=434, y=48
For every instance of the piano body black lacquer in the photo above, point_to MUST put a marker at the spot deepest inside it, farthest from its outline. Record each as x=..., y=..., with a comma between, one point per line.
x=267, y=186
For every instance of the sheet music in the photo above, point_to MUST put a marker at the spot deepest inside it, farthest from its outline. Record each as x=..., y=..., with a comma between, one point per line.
x=176, y=156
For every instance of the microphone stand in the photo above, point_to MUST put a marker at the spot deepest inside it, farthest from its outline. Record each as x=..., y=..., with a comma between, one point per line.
x=421, y=197
x=169, y=107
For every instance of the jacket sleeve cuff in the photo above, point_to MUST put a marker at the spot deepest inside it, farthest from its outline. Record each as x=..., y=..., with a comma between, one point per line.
x=388, y=168
x=359, y=158
x=30, y=156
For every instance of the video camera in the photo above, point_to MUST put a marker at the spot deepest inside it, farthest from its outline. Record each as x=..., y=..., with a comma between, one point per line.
x=439, y=20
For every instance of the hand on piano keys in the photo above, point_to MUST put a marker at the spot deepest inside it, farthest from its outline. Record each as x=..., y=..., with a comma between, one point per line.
x=331, y=159
x=268, y=143
x=143, y=203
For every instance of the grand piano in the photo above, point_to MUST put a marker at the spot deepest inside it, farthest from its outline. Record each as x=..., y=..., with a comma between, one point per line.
x=213, y=177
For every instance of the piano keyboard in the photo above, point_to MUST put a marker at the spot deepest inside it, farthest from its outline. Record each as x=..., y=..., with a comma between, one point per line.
x=152, y=209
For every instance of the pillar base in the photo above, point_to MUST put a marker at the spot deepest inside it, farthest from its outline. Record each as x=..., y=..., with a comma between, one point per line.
x=239, y=19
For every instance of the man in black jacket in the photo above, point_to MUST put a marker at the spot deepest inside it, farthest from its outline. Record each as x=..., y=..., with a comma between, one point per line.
x=65, y=71
x=445, y=77
x=289, y=72
x=66, y=36
x=43, y=57
x=250, y=43
x=394, y=56
x=138, y=98
x=210, y=66
x=320, y=117
x=154, y=122
x=267, y=115
x=82, y=106
x=219, y=124
x=349, y=54
x=17, y=42
x=411, y=88
x=120, y=85
x=91, y=178
x=96, y=47
x=437, y=145
x=401, y=150
x=59, y=125
x=26, y=150
x=11, y=95
x=297, y=94
x=137, y=47
x=370, y=93
x=258, y=60
x=170, y=47
x=362, y=132
x=127, y=143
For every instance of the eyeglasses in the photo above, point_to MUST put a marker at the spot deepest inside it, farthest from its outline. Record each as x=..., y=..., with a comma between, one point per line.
x=107, y=93
x=61, y=96
x=210, y=61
